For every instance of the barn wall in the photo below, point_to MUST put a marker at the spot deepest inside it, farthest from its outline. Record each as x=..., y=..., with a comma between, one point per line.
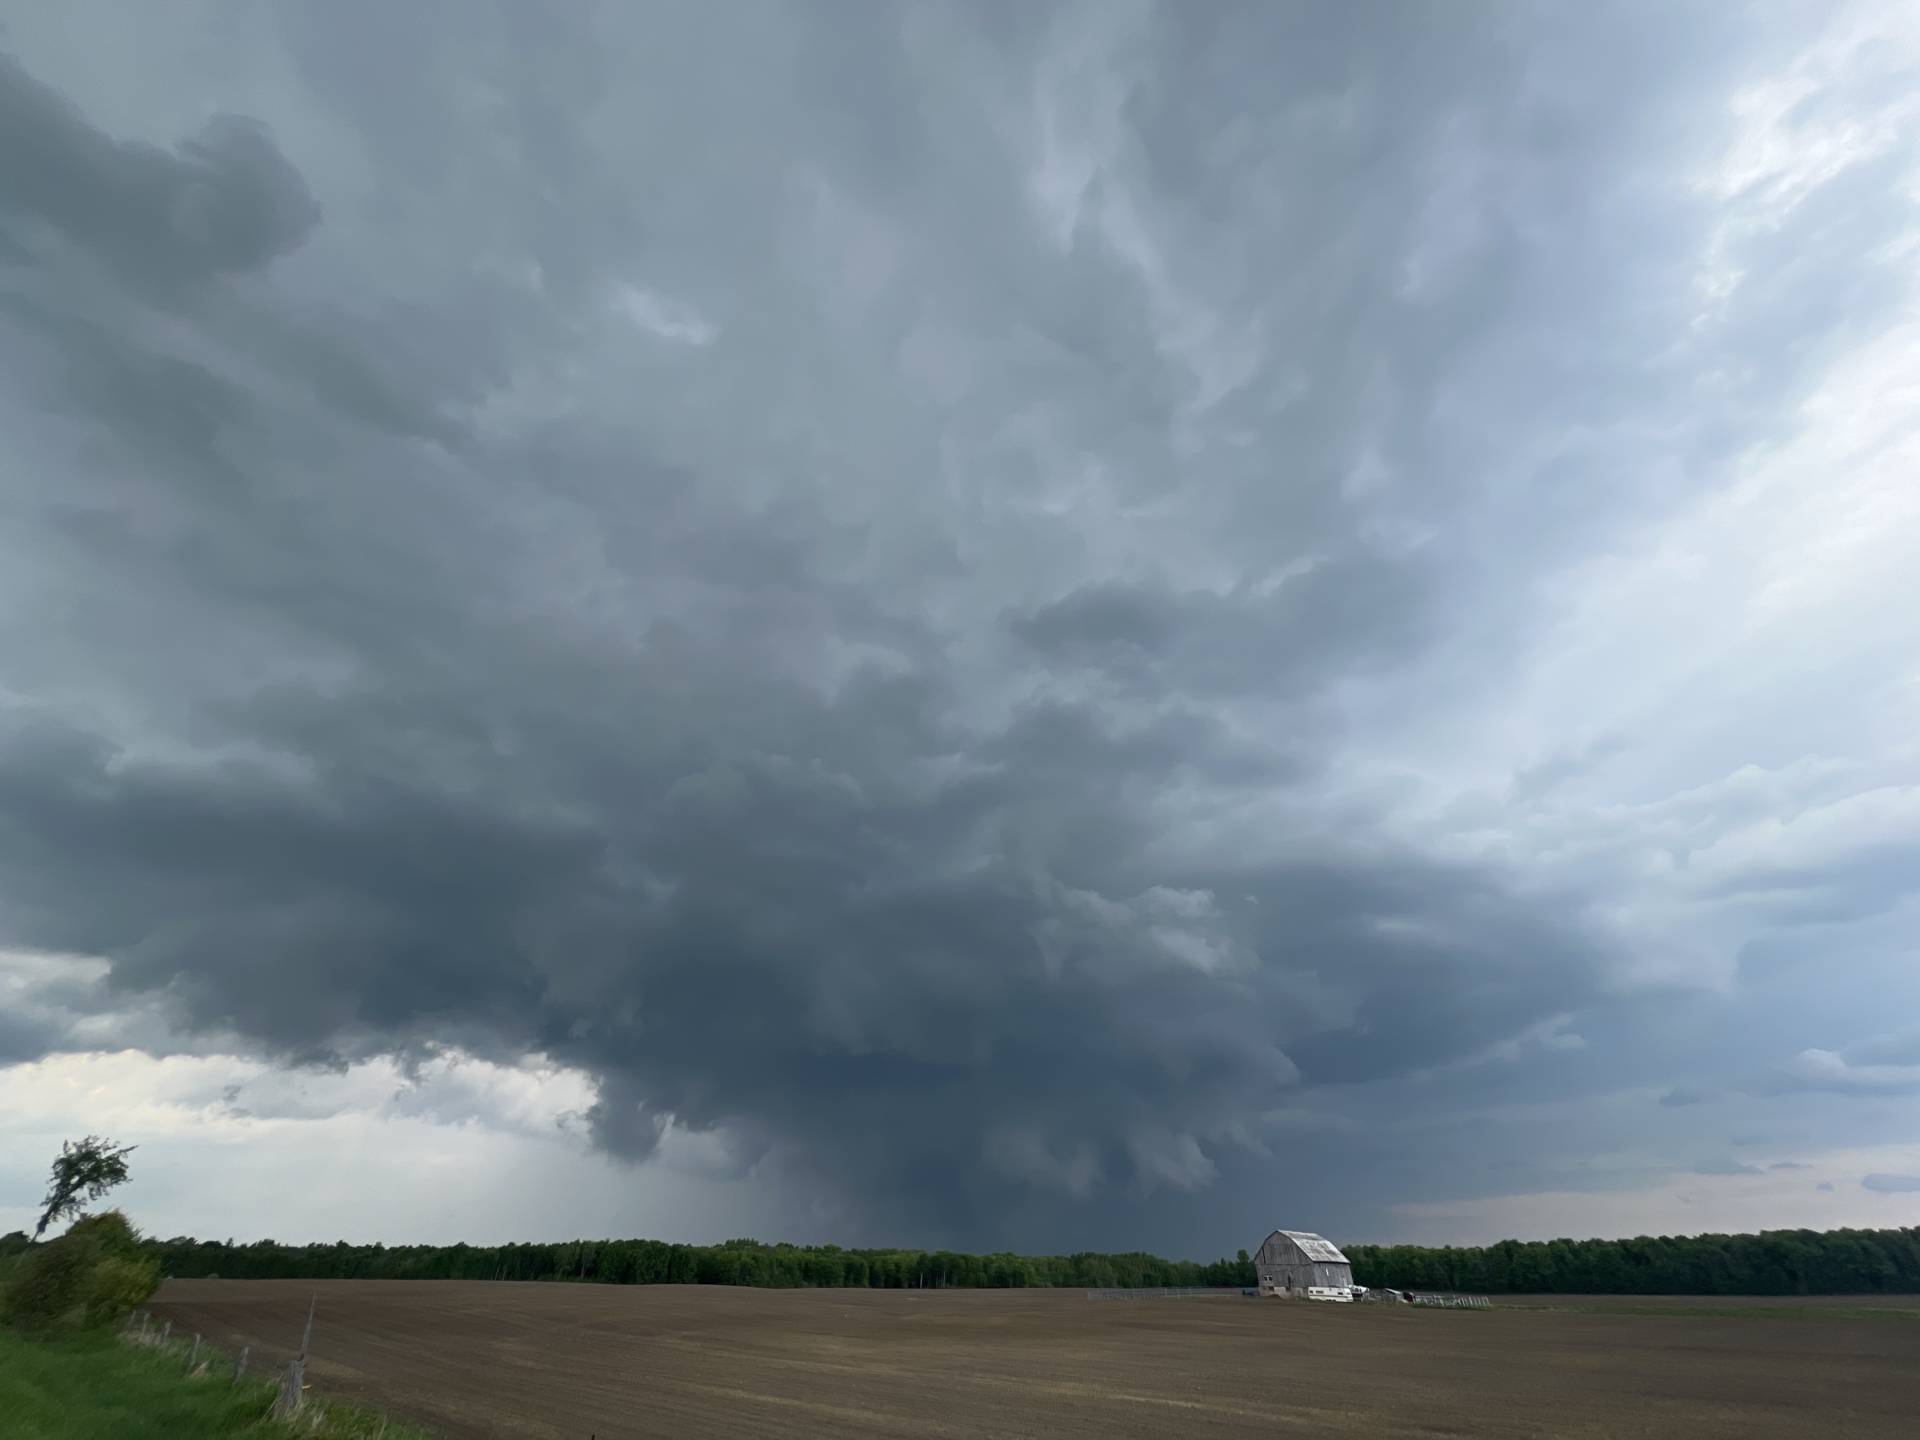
x=1288, y=1277
x=1281, y=1264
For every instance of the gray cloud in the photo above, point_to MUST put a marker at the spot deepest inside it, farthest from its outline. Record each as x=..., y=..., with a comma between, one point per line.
x=1335, y=612
x=866, y=636
x=1901, y=1047
x=1892, y=1184
x=1682, y=1095
x=1844, y=1074
x=220, y=202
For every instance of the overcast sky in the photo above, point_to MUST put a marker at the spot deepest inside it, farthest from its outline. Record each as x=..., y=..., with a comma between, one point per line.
x=999, y=624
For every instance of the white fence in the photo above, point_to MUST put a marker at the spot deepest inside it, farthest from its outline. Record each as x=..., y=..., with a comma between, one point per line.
x=1201, y=1292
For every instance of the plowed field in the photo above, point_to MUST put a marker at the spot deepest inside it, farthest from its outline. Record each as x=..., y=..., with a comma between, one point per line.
x=474, y=1359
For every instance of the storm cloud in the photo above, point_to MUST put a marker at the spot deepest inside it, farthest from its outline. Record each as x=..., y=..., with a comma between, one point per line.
x=1002, y=610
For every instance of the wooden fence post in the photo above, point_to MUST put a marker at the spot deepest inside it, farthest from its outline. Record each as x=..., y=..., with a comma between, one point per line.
x=240, y=1365
x=194, y=1353
x=166, y=1332
x=293, y=1385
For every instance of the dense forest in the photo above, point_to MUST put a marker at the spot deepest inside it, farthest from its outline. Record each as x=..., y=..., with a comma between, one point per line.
x=1775, y=1262
x=654, y=1262
x=1778, y=1262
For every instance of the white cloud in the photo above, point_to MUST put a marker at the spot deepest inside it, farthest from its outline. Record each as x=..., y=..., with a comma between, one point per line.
x=461, y=1150
x=1803, y=128
x=1829, y=1070
x=1749, y=1200
x=1725, y=695
x=663, y=316
x=1758, y=620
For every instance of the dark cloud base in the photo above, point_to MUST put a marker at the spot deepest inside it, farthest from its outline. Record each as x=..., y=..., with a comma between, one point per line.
x=422, y=667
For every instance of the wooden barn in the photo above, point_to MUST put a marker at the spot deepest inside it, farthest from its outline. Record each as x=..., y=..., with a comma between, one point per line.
x=1298, y=1262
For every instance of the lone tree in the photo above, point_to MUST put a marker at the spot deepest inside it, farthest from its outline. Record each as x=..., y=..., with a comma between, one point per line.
x=85, y=1170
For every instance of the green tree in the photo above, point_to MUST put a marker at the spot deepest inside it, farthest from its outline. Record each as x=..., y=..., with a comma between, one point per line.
x=83, y=1172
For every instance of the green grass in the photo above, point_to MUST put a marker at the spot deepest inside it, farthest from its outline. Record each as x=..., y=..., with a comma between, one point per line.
x=97, y=1386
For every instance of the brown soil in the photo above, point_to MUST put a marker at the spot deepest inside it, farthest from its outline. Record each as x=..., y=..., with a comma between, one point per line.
x=1908, y=1304
x=473, y=1359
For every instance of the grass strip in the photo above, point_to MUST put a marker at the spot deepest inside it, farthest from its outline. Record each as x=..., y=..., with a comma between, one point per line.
x=97, y=1385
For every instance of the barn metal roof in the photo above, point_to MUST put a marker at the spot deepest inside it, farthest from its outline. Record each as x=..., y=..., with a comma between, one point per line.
x=1315, y=1247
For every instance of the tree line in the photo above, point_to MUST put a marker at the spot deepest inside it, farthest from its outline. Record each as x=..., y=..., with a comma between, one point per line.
x=1774, y=1262
x=656, y=1262
x=1779, y=1262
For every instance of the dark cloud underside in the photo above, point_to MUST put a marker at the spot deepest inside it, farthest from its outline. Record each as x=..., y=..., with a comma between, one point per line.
x=812, y=565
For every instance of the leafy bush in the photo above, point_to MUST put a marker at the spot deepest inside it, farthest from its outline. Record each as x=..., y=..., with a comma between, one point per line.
x=115, y=1286
x=48, y=1285
x=112, y=1232
x=92, y=1275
